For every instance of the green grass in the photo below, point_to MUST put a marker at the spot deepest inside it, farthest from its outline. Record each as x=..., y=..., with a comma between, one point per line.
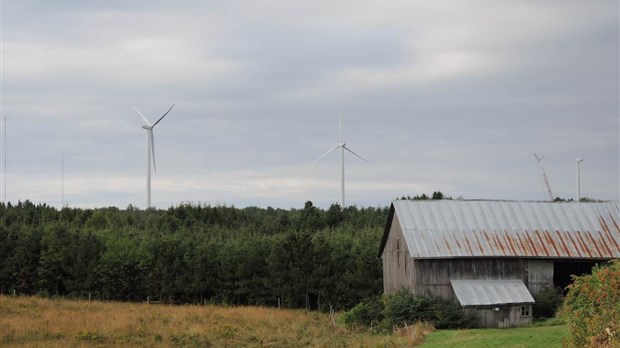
x=542, y=336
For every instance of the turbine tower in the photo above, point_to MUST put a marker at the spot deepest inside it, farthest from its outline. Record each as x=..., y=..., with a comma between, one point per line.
x=150, y=151
x=342, y=146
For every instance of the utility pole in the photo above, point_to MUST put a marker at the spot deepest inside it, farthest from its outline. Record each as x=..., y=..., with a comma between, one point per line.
x=4, y=159
x=2, y=123
x=62, y=179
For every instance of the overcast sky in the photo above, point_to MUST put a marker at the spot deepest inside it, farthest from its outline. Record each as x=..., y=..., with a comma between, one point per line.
x=452, y=95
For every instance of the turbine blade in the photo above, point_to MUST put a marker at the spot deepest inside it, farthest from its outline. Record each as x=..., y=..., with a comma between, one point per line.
x=325, y=154
x=153, y=150
x=161, y=118
x=358, y=156
x=139, y=113
x=340, y=128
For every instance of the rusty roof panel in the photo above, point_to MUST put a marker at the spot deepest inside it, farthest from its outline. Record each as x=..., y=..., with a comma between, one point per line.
x=457, y=228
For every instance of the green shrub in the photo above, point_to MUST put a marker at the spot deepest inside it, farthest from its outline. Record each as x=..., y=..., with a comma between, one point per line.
x=592, y=308
x=402, y=308
x=364, y=314
x=548, y=300
x=449, y=315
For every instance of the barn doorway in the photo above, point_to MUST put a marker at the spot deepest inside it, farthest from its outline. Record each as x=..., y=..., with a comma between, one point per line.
x=563, y=270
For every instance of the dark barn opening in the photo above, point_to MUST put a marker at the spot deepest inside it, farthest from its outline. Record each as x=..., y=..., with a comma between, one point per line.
x=563, y=270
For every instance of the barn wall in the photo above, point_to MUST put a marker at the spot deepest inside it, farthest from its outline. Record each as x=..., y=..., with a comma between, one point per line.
x=539, y=275
x=398, y=267
x=433, y=276
x=506, y=316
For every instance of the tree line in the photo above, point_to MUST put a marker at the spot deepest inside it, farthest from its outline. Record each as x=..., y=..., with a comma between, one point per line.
x=298, y=258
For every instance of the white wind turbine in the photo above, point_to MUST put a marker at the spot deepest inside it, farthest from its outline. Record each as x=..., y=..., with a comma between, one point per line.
x=150, y=151
x=342, y=146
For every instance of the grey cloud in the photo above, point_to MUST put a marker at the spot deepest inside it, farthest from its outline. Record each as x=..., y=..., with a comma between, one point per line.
x=454, y=97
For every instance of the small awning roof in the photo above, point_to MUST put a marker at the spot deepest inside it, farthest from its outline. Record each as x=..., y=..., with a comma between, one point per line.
x=491, y=292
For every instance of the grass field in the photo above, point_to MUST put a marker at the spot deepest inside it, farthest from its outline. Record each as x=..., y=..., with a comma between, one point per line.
x=38, y=322
x=543, y=336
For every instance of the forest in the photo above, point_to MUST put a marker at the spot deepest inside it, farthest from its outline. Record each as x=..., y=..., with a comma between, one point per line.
x=299, y=258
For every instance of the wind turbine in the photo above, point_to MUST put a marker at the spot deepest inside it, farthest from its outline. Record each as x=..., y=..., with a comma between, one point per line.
x=342, y=146
x=150, y=151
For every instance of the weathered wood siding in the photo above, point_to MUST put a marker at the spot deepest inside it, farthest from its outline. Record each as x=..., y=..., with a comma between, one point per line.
x=398, y=266
x=433, y=276
x=505, y=316
x=539, y=275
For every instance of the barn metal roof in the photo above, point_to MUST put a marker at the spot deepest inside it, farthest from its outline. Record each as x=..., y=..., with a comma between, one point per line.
x=457, y=228
x=491, y=292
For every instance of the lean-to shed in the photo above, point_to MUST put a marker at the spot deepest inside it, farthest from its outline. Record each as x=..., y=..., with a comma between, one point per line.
x=429, y=246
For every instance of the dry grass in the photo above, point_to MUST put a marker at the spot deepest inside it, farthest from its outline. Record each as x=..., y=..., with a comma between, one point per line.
x=38, y=322
x=415, y=333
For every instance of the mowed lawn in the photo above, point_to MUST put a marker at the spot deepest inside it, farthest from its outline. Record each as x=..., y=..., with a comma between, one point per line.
x=534, y=337
x=39, y=322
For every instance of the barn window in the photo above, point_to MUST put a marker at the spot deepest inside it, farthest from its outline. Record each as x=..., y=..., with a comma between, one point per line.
x=525, y=311
x=398, y=252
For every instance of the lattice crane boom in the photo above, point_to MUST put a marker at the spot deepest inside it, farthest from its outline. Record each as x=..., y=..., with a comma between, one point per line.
x=544, y=175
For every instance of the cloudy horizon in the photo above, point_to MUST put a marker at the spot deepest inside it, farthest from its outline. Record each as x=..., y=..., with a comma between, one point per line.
x=453, y=97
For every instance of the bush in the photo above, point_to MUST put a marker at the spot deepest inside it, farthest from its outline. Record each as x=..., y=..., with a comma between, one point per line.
x=402, y=308
x=364, y=314
x=592, y=308
x=548, y=300
x=450, y=315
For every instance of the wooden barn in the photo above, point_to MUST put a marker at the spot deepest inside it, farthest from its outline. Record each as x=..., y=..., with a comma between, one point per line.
x=494, y=256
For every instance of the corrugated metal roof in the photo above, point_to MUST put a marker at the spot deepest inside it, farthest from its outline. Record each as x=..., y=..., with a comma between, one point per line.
x=491, y=292
x=454, y=228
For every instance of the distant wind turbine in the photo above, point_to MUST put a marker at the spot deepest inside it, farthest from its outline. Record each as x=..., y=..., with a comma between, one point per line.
x=150, y=151
x=342, y=146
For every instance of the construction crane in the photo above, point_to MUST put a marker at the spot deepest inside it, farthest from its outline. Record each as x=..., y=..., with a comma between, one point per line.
x=541, y=167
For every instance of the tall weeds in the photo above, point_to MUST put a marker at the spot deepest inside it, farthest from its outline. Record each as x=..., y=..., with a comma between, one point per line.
x=34, y=321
